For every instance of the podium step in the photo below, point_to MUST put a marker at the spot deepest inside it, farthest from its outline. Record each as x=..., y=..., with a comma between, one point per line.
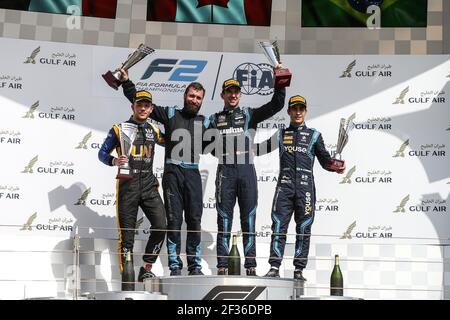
x=225, y=288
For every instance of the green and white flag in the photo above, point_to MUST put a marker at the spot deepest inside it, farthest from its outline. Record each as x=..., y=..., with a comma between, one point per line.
x=352, y=13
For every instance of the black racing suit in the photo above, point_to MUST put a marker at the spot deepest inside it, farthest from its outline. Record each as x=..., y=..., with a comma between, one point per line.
x=182, y=184
x=236, y=176
x=295, y=191
x=141, y=191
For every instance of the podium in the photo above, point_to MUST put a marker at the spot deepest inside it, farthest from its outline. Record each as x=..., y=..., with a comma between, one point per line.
x=225, y=288
x=126, y=295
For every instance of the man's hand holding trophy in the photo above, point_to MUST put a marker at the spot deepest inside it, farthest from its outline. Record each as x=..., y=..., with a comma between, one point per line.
x=282, y=75
x=127, y=134
x=114, y=79
x=345, y=127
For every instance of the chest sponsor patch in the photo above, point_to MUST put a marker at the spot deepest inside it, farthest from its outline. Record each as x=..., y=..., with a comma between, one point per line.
x=232, y=131
x=222, y=124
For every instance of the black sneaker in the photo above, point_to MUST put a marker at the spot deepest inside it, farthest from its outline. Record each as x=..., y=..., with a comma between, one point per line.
x=175, y=272
x=251, y=271
x=298, y=275
x=196, y=272
x=273, y=273
x=145, y=274
x=222, y=271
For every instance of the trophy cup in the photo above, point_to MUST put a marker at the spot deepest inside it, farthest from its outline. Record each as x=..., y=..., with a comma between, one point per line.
x=113, y=78
x=282, y=75
x=127, y=134
x=337, y=162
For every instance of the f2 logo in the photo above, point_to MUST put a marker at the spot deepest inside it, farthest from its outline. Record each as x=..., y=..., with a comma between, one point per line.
x=185, y=70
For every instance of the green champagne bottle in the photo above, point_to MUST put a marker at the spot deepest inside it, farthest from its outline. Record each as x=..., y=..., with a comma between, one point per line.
x=128, y=273
x=336, y=280
x=234, y=259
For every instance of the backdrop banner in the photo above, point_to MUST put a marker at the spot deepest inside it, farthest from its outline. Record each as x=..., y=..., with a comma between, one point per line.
x=56, y=110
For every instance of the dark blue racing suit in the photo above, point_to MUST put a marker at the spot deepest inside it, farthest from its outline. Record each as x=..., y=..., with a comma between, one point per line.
x=295, y=191
x=236, y=176
x=182, y=184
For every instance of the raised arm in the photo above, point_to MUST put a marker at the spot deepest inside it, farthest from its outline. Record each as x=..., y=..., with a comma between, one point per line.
x=269, y=109
x=129, y=89
x=160, y=137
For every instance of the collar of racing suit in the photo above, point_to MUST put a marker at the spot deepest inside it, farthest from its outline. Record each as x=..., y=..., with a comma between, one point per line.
x=140, y=125
x=293, y=127
x=231, y=110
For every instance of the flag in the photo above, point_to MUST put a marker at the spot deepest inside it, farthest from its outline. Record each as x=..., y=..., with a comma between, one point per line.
x=221, y=3
x=92, y=8
x=352, y=13
x=100, y=8
x=241, y=12
x=15, y=4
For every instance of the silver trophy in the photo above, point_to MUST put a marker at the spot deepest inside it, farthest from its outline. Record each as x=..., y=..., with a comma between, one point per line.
x=344, y=128
x=127, y=134
x=113, y=78
x=272, y=52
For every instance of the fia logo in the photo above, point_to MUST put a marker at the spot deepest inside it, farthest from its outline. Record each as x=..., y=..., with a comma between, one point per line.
x=254, y=78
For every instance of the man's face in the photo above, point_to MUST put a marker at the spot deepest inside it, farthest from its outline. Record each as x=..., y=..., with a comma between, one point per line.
x=142, y=110
x=297, y=114
x=193, y=100
x=231, y=97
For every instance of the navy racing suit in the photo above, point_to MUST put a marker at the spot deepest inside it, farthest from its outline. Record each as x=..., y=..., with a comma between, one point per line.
x=141, y=191
x=236, y=175
x=182, y=184
x=295, y=191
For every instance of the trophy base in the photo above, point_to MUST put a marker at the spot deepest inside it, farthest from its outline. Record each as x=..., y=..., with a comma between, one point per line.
x=124, y=177
x=282, y=77
x=337, y=164
x=111, y=80
x=124, y=174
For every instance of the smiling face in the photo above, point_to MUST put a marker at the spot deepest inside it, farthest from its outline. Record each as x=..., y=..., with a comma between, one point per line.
x=231, y=97
x=142, y=110
x=297, y=113
x=193, y=99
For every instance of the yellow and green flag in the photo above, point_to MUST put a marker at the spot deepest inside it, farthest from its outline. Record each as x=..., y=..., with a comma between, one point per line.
x=353, y=13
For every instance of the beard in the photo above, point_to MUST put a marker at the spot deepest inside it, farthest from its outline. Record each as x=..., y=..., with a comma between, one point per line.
x=191, y=110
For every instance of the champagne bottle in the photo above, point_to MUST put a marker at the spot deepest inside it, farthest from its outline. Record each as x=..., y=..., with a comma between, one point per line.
x=234, y=259
x=336, y=280
x=128, y=273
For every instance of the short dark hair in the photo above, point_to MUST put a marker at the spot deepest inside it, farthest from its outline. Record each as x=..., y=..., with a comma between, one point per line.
x=196, y=86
